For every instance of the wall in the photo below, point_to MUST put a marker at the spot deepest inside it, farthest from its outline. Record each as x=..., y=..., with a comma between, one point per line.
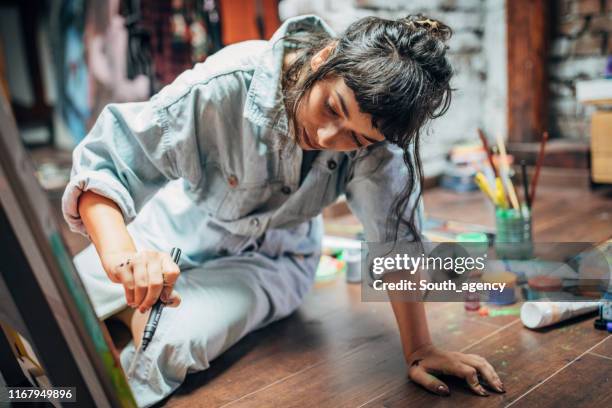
x=580, y=42
x=477, y=52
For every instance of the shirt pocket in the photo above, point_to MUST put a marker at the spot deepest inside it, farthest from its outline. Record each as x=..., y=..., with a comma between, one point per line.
x=232, y=194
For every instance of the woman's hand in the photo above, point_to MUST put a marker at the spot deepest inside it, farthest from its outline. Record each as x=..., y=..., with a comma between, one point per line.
x=145, y=276
x=428, y=361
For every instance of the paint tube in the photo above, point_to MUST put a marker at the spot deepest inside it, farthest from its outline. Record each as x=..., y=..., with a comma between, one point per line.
x=541, y=314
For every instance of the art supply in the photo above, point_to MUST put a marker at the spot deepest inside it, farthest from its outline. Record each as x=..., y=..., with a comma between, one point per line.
x=484, y=312
x=534, y=181
x=535, y=315
x=472, y=302
x=544, y=287
x=514, y=233
x=500, y=193
x=525, y=184
x=504, y=312
x=481, y=182
x=504, y=168
x=507, y=296
x=605, y=310
x=485, y=144
x=352, y=257
x=329, y=268
x=152, y=321
x=473, y=237
x=157, y=308
x=459, y=169
x=476, y=244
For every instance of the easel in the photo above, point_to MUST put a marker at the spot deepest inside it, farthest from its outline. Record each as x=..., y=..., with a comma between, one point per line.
x=41, y=294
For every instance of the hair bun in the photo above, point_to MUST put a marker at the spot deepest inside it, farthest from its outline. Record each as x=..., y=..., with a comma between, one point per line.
x=434, y=27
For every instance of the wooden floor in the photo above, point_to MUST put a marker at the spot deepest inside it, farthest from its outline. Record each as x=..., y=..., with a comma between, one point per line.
x=339, y=352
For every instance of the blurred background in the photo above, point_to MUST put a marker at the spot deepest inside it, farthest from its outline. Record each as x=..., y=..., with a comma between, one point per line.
x=518, y=66
x=61, y=61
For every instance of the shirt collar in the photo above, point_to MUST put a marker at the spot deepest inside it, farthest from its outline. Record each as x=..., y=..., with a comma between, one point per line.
x=264, y=106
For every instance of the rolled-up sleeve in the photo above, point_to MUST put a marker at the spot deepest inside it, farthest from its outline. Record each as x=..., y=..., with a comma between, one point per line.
x=376, y=180
x=132, y=151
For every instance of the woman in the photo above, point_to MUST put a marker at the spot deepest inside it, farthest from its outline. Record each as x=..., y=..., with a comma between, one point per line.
x=233, y=164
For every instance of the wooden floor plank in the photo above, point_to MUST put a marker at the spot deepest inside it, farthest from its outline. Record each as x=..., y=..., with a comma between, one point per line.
x=314, y=343
x=585, y=383
x=522, y=358
x=589, y=223
x=605, y=348
x=331, y=322
x=349, y=381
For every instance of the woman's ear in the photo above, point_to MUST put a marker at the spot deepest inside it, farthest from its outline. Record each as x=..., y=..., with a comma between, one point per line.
x=320, y=57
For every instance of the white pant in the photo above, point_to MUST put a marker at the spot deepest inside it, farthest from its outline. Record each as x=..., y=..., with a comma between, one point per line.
x=222, y=301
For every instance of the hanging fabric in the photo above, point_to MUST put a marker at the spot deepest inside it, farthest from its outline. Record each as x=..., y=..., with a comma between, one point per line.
x=139, y=58
x=213, y=24
x=106, y=37
x=73, y=90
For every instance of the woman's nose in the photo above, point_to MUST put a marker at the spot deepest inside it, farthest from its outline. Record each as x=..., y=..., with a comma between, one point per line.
x=326, y=133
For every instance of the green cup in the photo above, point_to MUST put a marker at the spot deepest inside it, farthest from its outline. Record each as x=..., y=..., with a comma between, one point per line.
x=513, y=239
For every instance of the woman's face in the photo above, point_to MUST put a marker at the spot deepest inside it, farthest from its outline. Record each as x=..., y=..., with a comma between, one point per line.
x=329, y=119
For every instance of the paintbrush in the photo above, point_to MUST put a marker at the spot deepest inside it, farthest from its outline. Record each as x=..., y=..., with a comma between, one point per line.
x=525, y=184
x=534, y=181
x=481, y=182
x=504, y=166
x=500, y=195
x=485, y=144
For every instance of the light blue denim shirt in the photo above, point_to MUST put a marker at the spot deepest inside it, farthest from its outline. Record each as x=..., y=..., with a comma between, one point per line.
x=206, y=164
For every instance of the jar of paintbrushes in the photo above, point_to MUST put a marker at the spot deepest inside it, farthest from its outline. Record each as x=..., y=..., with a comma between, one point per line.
x=513, y=221
x=513, y=238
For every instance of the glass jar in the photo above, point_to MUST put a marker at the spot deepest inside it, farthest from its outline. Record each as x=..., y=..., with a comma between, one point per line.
x=513, y=239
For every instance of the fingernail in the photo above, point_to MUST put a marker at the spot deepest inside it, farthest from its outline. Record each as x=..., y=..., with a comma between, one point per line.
x=443, y=390
x=483, y=393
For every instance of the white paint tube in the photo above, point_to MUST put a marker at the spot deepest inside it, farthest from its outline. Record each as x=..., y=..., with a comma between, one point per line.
x=541, y=314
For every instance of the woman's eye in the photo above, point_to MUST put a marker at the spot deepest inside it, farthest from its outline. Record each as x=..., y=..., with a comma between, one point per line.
x=329, y=109
x=356, y=140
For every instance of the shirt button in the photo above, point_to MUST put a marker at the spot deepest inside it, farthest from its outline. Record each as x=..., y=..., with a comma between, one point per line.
x=331, y=164
x=286, y=190
x=232, y=181
x=255, y=222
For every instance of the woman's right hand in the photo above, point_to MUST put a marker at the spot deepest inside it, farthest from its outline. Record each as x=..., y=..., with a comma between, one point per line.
x=142, y=275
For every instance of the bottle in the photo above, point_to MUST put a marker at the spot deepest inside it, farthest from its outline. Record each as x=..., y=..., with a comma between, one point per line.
x=605, y=309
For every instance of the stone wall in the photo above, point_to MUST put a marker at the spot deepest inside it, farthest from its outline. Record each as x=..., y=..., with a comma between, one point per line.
x=581, y=40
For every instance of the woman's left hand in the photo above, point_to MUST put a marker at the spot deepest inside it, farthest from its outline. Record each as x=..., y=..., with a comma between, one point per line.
x=428, y=361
